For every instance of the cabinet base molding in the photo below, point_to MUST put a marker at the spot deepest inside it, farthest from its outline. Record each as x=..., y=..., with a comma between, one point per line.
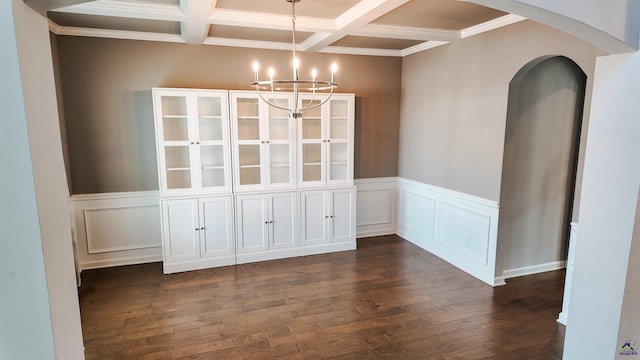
x=276, y=254
x=170, y=268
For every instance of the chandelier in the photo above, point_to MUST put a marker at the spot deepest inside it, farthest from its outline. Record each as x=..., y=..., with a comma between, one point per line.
x=295, y=85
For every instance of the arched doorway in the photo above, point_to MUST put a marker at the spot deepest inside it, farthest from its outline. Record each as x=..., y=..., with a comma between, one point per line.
x=544, y=117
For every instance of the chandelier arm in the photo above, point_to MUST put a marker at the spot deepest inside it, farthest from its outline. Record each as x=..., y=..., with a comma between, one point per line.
x=278, y=106
x=320, y=104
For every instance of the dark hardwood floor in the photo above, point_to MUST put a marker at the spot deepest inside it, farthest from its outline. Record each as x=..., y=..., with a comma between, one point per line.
x=387, y=300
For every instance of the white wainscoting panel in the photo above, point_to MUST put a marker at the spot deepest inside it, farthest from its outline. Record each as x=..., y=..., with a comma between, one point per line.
x=115, y=229
x=459, y=228
x=375, y=206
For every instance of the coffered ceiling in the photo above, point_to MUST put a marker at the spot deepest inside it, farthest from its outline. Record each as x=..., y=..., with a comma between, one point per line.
x=360, y=27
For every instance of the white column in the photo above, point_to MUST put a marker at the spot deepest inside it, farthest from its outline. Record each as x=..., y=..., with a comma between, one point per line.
x=36, y=85
x=607, y=215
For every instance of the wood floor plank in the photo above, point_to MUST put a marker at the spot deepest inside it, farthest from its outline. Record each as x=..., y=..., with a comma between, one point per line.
x=387, y=300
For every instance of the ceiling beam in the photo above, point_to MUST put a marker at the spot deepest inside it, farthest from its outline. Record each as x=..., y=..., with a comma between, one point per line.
x=126, y=9
x=406, y=33
x=42, y=6
x=195, y=27
x=358, y=16
x=270, y=21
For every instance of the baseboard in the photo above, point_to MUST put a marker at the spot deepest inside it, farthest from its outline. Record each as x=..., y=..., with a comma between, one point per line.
x=534, y=269
x=97, y=264
x=295, y=252
x=562, y=318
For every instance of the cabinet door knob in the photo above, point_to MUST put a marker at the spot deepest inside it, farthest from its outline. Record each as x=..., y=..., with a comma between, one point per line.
x=266, y=222
x=197, y=229
x=202, y=228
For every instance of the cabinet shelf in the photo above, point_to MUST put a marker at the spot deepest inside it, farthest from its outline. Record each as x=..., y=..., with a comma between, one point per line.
x=281, y=165
x=339, y=163
x=174, y=116
x=249, y=166
x=210, y=116
x=179, y=169
x=312, y=163
x=213, y=167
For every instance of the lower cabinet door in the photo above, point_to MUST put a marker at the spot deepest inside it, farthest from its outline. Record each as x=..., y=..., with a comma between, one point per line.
x=313, y=217
x=216, y=224
x=252, y=223
x=283, y=211
x=342, y=218
x=180, y=230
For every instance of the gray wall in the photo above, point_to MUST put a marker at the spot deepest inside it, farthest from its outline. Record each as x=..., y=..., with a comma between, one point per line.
x=454, y=104
x=543, y=119
x=106, y=87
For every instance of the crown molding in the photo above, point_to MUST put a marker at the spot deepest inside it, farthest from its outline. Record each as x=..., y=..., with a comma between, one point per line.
x=491, y=25
x=422, y=47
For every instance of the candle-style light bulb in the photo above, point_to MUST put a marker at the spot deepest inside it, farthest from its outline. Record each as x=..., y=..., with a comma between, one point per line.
x=256, y=67
x=296, y=66
x=334, y=69
x=271, y=73
x=314, y=73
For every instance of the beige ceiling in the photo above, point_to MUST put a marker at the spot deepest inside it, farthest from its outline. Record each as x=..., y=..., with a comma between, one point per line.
x=364, y=27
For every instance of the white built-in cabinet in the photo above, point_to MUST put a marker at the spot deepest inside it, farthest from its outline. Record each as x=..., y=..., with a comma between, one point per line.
x=198, y=233
x=241, y=181
x=266, y=223
x=328, y=216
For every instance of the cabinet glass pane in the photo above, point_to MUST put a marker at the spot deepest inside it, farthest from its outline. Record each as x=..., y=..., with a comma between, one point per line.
x=311, y=128
x=311, y=173
x=311, y=162
x=209, y=106
x=249, y=176
x=339, y=128
x=174, y=106
x=339, y=108
x=212, y=156
x=312, y=113
x=210, y=128
x=279, y=122
x=338, y=162
x=280, y=166
x=212, y=177
x=249, y=161
x=247, y=107
x=175, y=128
x=178, y=179
x=248, y=129
x=177, y=157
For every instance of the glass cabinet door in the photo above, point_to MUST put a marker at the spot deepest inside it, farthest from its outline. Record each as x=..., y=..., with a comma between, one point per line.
x=248, y=137
x=311, y=139
x=279, y=145
x=211, y=136
x=176, y=145
x=338, y=149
